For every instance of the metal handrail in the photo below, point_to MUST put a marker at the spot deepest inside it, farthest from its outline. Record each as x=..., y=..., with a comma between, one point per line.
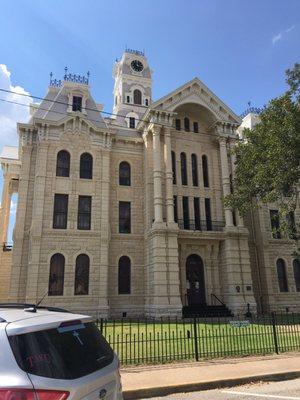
x=217, y=298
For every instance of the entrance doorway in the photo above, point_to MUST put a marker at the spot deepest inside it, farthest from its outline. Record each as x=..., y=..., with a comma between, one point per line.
x=195, y=280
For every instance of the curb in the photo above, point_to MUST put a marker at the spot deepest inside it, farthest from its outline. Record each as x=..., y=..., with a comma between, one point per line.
x=197, y=386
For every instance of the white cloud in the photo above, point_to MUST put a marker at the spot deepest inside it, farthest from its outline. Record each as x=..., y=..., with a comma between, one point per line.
x=280, y=35
x=11, y=113
x=290, y=29
x=276, y=38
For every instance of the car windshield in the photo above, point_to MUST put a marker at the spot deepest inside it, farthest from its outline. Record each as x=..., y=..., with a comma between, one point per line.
x=66, y=352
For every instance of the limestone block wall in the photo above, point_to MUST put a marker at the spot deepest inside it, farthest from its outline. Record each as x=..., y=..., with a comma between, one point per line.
x=5, y=269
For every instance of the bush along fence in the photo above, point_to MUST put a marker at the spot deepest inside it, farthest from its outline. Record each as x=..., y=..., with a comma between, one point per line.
x=159, y=341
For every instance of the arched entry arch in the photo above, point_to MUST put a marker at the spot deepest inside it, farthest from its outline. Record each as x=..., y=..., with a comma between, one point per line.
x=195, y=280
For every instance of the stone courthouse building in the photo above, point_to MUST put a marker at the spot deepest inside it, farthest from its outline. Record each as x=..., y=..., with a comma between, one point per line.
x=123, y=215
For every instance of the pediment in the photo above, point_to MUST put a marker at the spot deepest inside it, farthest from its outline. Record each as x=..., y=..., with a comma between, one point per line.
x=196, y=92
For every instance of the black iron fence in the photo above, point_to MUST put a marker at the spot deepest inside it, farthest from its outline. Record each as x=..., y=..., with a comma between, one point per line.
x=158, y=341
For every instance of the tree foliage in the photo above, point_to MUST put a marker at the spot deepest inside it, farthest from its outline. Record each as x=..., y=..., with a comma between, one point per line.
x=268, y=159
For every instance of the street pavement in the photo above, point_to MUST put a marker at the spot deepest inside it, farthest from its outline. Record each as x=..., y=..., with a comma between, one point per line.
x=285, y=390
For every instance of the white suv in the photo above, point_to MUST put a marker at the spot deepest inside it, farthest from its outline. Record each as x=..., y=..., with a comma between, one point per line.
x=50, y=354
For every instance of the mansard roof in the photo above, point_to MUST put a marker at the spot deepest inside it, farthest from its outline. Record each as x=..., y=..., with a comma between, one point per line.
x=195, y=91
x=54, y=107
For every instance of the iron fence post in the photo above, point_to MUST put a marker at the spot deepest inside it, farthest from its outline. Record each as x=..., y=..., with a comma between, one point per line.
x=101, y=325
x=274, y=332
x=196, y=340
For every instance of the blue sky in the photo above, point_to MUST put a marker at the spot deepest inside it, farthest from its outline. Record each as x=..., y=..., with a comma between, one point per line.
x=239, y=49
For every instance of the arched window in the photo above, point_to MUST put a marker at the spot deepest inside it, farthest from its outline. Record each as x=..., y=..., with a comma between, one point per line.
x=56, y=275
x=296, y=268
x=82, y=272
x=63, y=163
x=174, y=166
x=186, y=124
x=124, y=273
x=124, y=174
x=137, y=96
x=86, y=166
x=194, y=169
x=281, y=274
x=205, y=171
x=183, y=168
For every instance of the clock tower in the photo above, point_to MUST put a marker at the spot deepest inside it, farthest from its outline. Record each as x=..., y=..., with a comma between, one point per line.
x=132, y=89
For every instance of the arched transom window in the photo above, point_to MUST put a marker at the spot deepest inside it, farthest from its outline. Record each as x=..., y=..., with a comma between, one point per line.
x=63, y=163
x=124, y=174
x=82, y=271
x=86, y=166
x=124, y=275
x=56, y=275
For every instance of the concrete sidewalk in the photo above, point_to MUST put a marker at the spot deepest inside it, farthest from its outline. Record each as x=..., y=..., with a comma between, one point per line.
x=152, y=381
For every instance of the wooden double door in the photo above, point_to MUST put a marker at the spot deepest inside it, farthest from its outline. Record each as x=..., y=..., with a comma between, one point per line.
x=195, y=280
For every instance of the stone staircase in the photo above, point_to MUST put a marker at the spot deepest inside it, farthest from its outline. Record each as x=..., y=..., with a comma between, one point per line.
x=206, y=311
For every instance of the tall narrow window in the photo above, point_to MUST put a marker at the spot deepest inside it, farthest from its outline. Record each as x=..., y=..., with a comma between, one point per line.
x=124, y=217
x=174, y=167
x=186, y=212
x=56, y=275
x=84, y=212
x=131, y=122
x=291, y=224
x=183, y=168
x=208, y=215
x=77, y=103
x=177, y=124
x=205, y=171
x=296, y=268
x=196, y=127
x=82, y=271
x=137, y=96
x=146, y=102
x=124, y=174
x=124, y=275
x=127, y=99
x=86, y=166
x=281, y=274
x=194, y=169
x=63, y=163
x=197, y=213
x=175, y=209
x=275, y=224
x=60, y=212
x=186, y=122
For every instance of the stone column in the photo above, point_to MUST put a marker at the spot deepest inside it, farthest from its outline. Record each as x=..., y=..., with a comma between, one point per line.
x=157, y=173
x=5, y=209
x=169, y=178
x=239, y=219
x=225, y=179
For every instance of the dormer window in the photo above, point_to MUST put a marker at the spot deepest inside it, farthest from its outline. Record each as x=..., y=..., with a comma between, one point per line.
x=77, y=103
x=131, y=122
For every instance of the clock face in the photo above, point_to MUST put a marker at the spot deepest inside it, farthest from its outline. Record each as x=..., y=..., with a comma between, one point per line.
x=136, y=65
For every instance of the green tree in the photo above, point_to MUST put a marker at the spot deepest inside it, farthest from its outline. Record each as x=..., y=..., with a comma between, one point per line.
x=268, y=159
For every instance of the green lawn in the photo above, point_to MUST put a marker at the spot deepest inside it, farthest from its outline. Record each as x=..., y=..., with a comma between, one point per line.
x=137, y=343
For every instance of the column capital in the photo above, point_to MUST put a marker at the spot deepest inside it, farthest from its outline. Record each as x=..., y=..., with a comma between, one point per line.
x=156, y=129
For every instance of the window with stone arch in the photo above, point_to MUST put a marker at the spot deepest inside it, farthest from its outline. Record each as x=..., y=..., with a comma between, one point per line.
x=296, y=270
x=183, y=168
x=124, y=174
x=82, y=272
x=86, y=166
x=137, y=96
x=124, y=275
x=205, y=171
x=56, y=275
x=63, y=163
x=281, y=275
